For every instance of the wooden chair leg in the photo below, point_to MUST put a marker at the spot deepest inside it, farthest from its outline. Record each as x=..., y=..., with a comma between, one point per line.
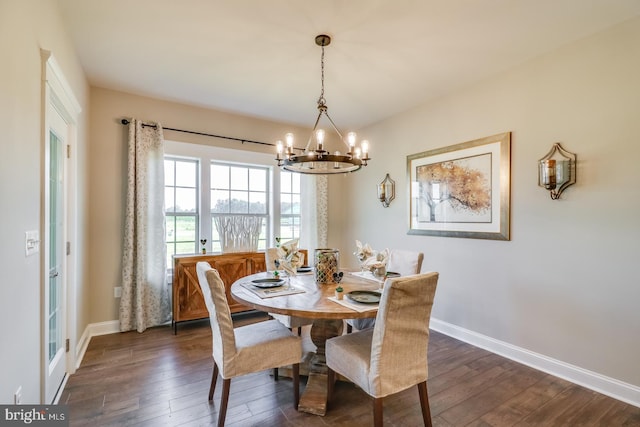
x=377, y=412
x=331, y=380
x=296, y=384
x=349, y=328
x=222, y=415
x=214, y=378
x=299, y=331
x=275, y=374
x=424, y=403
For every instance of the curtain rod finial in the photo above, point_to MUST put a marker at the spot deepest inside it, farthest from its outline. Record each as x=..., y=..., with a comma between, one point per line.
x=125, y=121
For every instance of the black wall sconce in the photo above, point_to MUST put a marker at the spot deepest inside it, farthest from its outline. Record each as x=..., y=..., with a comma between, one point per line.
x=386, y=191
x=557, y=170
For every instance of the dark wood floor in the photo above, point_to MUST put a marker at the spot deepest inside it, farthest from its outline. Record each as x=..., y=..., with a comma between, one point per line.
x=159, y=379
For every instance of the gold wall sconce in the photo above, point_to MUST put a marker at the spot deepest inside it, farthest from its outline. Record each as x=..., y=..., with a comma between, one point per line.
x=557, y=170
x=386, y=191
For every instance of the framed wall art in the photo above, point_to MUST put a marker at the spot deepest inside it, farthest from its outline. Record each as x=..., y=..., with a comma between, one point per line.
x=462, y=190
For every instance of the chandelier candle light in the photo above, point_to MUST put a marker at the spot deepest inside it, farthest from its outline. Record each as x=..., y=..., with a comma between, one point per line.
x=319, y=160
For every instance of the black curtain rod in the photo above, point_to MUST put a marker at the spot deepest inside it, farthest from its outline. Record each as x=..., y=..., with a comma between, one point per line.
x=126, y=122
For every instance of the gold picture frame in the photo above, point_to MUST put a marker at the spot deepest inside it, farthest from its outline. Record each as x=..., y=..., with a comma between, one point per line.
x=462, y=190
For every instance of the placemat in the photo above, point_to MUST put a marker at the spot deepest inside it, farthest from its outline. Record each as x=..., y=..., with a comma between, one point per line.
x=356, y=306
x=272, y=292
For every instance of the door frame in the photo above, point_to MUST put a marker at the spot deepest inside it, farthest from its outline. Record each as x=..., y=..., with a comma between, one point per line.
x=57, y=93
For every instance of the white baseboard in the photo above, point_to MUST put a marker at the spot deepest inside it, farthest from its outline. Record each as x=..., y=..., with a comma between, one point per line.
x=619, y=390
x=93, y=330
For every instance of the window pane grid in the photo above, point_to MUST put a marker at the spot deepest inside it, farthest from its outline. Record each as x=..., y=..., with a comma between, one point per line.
x=289, y=206
x=181, y=206
x=239, y=190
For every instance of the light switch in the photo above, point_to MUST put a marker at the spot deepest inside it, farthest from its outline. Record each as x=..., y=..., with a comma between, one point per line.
x=32, y=242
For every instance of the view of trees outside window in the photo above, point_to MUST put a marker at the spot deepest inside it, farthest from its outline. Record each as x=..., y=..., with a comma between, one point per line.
x=181, y=206
x=289, y=206
x=239, y=190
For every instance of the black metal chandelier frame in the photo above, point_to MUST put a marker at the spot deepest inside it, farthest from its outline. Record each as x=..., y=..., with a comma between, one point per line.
x=318, y=160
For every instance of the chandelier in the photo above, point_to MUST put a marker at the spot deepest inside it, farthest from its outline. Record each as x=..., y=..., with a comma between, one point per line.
x=319, y=160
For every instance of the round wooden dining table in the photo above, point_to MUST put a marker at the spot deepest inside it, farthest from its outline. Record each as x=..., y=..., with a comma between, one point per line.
x=312, y=301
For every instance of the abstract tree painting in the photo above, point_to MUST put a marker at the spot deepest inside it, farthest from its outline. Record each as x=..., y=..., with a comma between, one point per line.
x=462, y=190
x=462, y=186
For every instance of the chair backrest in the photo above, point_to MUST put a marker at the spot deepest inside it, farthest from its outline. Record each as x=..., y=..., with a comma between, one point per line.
x=213, y=291
x=401, y=333
x=405, y=262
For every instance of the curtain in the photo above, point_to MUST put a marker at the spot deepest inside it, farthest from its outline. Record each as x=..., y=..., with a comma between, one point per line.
x=314, y=212
x=145, y=294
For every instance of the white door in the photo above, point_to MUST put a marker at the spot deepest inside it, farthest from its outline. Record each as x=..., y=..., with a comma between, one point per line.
x=55, y=319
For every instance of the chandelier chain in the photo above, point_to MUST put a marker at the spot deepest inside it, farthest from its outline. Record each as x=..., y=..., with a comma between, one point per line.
x=322, y=101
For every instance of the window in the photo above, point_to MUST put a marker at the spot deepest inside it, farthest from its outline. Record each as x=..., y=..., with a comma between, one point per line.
x=239, y=190
x=289, y=206
x=203, y=182
x=181, y=206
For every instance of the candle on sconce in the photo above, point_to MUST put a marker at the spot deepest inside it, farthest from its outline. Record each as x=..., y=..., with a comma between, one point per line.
x=549, y=174
x=279, y=150
x=383, y=193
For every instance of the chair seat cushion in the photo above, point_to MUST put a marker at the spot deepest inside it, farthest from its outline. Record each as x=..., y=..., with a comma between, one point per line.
x=262, y=346
x=350, y=355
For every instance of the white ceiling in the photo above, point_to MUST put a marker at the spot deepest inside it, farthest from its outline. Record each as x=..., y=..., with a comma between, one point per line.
x=259, y=58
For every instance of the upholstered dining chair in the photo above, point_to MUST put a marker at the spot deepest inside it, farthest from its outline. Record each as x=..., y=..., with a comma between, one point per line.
x=291, y=322
x=400, y=261
x=247, y=349
x=391, y=356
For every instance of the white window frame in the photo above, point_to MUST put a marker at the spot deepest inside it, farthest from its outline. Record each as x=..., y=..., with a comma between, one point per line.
x=195, y=214
x=290, y=215
x=207, y=154
x=267, y=192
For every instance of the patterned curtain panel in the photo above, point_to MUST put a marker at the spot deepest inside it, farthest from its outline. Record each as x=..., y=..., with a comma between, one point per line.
x=314, y=215
x=145, y=295
x=322, y=213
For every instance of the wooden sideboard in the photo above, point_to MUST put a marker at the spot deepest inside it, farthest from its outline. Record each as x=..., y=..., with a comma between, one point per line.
x=188, y=303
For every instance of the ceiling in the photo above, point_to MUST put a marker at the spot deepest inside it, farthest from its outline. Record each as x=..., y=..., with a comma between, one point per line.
x=259, y=58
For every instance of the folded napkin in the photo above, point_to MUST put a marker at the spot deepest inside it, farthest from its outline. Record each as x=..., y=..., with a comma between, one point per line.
x=356, y=306
x=289, y=257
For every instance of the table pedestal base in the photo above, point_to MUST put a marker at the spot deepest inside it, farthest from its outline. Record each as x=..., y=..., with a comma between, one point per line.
x=314, y=398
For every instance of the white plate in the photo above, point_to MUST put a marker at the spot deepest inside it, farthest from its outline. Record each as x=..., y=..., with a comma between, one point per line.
x=267, y=283
x=364, y=297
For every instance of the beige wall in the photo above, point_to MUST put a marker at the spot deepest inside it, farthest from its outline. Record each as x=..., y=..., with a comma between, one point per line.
x=567, y=285
x=26, y=26
x=108, y=164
